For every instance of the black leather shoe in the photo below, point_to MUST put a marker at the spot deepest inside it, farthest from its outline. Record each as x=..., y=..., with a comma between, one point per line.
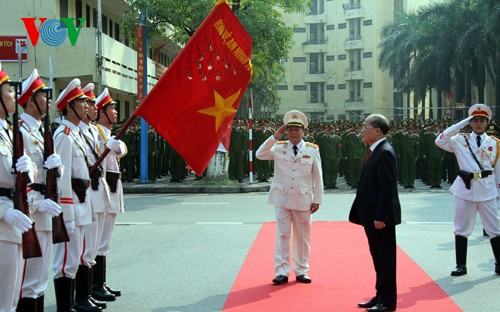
x=368, y=304
x=303, y=279
x=459, y=271
x=100, y=304
x=280, y=279
x=115, y=292
x=380, y=308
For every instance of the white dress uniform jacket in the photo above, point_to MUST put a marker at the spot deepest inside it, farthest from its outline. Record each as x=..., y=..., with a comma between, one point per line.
x=482, y=189
x=110, y=163
x=71, y=147
x=100, y=200
x=8, y=232
x=298, y=180
x=33, y=144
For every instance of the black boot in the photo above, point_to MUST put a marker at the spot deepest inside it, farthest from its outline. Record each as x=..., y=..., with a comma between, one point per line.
x=98, y=290
x=495, y=245
x=26, y=305
x=101, y=304
x=115, y=292
x=461, y=256
x=40, y=303
x=64, y=294
x=82, y=303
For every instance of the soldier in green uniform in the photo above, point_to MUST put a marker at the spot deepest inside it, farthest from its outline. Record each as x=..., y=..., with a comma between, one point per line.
x=434, y=156
x=236, y=152
x=410, y=150
x=127, y=162
x=152, y=150
x=354, y=154
x=263, y=167
x=176, y=166
x=330, y=152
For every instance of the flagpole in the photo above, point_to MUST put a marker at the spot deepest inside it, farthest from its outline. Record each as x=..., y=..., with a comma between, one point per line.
x=250, y=140
x=144, y=125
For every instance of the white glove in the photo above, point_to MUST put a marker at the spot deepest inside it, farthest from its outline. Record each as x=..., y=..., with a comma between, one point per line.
x=50, y=207
x=114, y=145
x=70, y=226
x=18, y=219
x=53, y=161
x=464, y=122
x=24, y=164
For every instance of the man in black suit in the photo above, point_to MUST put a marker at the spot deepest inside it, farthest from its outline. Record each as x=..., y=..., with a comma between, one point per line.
x=376, y=208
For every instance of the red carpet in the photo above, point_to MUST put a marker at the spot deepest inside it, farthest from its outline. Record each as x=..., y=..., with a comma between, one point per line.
x=341, y=272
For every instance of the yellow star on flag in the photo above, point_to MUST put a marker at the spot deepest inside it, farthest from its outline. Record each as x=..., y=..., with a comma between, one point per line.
x=223, y=107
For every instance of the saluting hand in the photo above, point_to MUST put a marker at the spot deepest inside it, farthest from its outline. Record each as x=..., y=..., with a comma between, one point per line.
x=280, y=132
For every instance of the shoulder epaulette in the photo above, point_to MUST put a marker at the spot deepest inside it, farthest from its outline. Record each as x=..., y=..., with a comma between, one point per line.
x=67, y=130
x=281, y=142
x=312, y=144
x=494, y=138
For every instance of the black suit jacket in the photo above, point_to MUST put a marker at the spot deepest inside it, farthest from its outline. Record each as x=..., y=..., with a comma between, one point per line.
x=377, y=194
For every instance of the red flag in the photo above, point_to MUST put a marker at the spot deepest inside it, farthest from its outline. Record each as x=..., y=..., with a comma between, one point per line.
x=193, y=104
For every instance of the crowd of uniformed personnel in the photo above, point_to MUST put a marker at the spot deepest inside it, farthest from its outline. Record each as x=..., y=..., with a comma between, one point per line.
x=342, y=152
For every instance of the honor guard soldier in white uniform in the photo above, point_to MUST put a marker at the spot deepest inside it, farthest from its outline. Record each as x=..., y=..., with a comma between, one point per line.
x=12, y=221
x=296, y=192
x=74, y=185
x=33, y=99
x=107, y=116
x=476, y=187
x=99, y=200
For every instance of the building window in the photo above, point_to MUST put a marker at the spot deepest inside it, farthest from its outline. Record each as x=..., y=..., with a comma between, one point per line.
x=330, y=57
x=341, y=116
x=117, y=32
x=87, y=15
x=342, y=26
x=94, y=23
x=342, y=57
x=105, y=24
x=330, y=87
x=299, y=30
x=110, y=28
x=299, y=88
x=330, y=27
x=317, y=94
x=299, y=59
x=367, y=22
x=283, y=87
x=63, y=8
x=367, y=85
x=78, y=12
x=342, y=86
x=367, y=54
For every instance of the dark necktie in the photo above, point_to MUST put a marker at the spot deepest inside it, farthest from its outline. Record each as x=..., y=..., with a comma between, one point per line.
x=478, y=138
x=295, y=150
x=368, y=154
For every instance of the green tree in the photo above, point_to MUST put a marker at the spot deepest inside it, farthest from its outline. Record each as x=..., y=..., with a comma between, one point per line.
x=262, y=19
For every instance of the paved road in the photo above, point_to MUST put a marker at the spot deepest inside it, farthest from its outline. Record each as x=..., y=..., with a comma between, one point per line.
x=182, y=252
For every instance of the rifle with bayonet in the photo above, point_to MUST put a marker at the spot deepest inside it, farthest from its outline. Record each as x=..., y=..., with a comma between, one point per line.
x=31, y=244
x=59, y=231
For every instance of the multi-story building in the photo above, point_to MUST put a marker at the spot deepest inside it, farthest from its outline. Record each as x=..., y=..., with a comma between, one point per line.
x=112, y=63
x=332, y=70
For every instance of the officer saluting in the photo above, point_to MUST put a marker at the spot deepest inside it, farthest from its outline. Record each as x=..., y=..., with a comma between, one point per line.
x=74, y=186
x=297, y=169
x=476, y=187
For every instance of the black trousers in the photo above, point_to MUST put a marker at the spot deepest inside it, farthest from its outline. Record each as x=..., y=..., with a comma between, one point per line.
x=382, y=245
